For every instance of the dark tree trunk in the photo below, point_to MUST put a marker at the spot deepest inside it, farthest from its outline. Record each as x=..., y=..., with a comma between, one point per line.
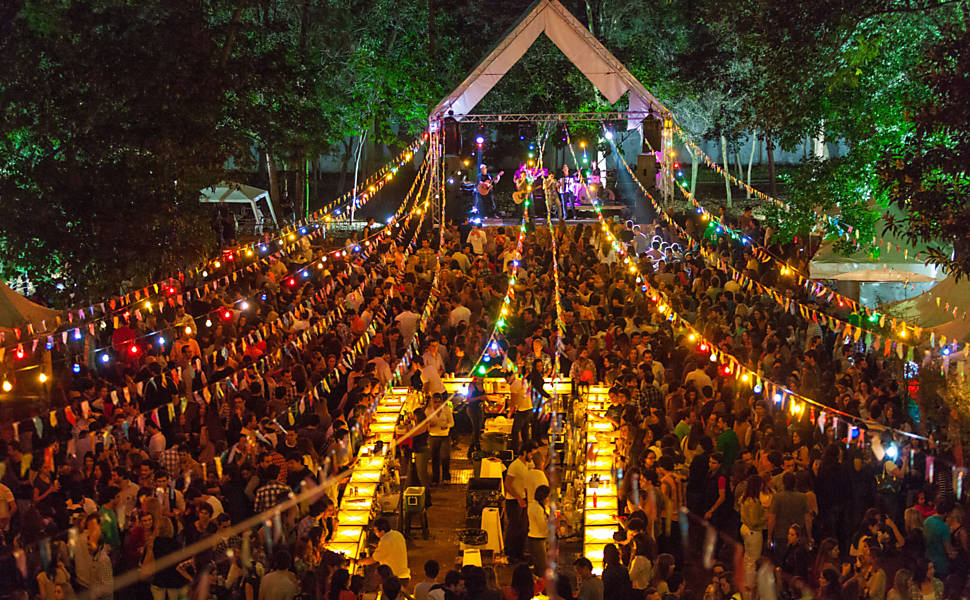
x=770, y=148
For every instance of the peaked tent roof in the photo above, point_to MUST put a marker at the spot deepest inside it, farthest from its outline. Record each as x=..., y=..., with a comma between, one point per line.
x=930, y=309
x=17, y=311
x=238, y=193
x=550, y=17
x=232, y=192
x=895, y=259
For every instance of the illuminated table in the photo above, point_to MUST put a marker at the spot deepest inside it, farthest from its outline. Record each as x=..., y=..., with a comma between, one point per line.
x=356, y=505
x=601, y=501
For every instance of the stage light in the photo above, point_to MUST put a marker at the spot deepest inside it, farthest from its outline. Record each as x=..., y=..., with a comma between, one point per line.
x=77, y=334
x=208, y=322
x=134, y=350
x=76, y=368
x=892, y=452
x=7, y=386
x=161, y=341
x=608, y=134
x=479, y=140
x=105, y=358
x=244, y=305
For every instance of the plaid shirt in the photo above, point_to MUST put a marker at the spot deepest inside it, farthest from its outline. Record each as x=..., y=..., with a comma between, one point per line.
x=647, y=396
x=269, y=495
x=275, y=458
x=169, y=460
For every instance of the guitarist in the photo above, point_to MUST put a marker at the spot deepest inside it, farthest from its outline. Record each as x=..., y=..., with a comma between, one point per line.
x=483, y=189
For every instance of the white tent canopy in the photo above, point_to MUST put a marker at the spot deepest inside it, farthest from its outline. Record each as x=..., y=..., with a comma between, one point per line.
x=942, y=309
x=239, y=193
x=550, y=17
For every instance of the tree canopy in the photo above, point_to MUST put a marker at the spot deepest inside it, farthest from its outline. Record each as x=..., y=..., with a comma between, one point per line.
x=116, y=113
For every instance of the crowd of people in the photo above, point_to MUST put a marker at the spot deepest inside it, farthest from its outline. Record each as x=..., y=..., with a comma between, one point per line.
x=832, y=518
x=795, y=502
x=198, y=430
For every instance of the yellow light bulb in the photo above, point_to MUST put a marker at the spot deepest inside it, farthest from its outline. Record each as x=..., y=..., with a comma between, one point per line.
x=902, y=332
x=744, y=377
x=7, y=386
x=692, y=337
x=148, y=305
x=43, y=377
x=217, y=264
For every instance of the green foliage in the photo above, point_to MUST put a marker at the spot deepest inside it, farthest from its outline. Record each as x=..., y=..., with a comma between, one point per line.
x=116, y=112
x=927, y=177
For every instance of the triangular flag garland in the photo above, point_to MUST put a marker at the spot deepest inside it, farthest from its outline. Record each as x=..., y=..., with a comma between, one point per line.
x=261, y=366
x=336, y=211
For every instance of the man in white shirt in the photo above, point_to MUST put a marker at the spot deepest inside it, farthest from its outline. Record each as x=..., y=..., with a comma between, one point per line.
x=392, y=550
x=519, y=410
x=477, y=239
x=441, y=420
x=156, y=440
x=536, y=475
x=458, y=314
x=698, y=378
x=407, y=324
x=433, y=369
x=516, y=502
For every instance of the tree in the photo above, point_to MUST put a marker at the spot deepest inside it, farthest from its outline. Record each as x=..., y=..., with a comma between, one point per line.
x=928, y=176
x=113, y=122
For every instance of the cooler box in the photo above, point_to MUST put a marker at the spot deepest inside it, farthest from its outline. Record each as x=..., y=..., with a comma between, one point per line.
x=413, y=499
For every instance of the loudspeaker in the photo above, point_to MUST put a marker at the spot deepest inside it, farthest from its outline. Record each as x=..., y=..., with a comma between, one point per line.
x=452, y=133
x=647, y=168
x=652, y=138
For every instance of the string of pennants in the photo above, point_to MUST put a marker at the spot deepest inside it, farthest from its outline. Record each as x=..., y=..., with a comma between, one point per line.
x=230, y=382
x=781, y=396
x=845, y=231
x=222, y=389
x=901, y=327
x=77, y=334
x=332, y=212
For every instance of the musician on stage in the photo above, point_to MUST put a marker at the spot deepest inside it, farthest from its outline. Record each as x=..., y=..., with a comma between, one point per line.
x=566, y=190
x=483, y=189
x=553, y=201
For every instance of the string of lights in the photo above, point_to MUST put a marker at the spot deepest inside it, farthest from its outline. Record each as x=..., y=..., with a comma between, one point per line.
x=780, y=396
x=844, y=231
x=492, y=344
x=137, y=345
x=900, y=327
x=872, y=339
x=169, y=287
x=241, y=345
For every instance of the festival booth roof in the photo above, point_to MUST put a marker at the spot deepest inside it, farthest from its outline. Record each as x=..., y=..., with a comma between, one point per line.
x=894, y=261
x=238, y=193
x=18, y=311
x=942, y=309
x=550, y=17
